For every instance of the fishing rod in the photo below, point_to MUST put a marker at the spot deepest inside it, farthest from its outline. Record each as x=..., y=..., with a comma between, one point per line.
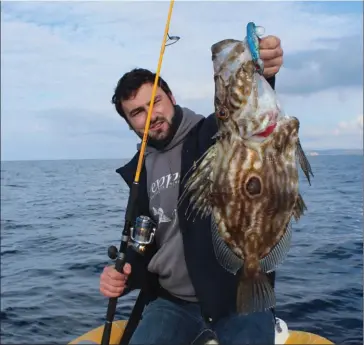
x=120, y=255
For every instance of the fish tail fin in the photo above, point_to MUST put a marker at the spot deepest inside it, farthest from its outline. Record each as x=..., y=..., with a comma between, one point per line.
x=251, y=267
x=255, y=293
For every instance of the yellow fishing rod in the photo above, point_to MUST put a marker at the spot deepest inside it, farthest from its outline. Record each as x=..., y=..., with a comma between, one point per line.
x=147, y=123
x=130, y=210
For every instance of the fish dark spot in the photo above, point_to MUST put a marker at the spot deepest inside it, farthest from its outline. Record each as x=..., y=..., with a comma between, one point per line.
x=253, y=186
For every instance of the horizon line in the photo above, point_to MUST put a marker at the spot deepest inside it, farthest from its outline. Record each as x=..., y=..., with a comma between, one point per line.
x=128, y=158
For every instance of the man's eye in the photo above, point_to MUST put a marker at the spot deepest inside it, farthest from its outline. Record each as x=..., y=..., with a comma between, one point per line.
x=135, y=113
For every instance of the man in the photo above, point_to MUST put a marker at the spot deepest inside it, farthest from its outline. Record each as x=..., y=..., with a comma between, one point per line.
x=188, y=292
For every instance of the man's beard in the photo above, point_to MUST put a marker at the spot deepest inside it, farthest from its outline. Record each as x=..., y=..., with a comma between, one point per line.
x=160, y=139
x=160, y=134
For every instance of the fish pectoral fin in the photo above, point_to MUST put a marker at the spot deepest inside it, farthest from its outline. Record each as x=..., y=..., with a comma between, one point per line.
x=299, y=208
x=304, y=163
x=279, y=252
x=255, y=294
x=198, y=186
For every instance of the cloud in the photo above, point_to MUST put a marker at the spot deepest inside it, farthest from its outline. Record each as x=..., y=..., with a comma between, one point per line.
x=339, y=65
x=62, y=60
x=345, y=134
x=351, y=127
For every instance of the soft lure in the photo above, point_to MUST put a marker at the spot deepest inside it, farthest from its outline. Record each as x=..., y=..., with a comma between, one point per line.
x=253, y=33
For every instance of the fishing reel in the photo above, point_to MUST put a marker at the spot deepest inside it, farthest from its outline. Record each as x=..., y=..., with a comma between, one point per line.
x=141, y=235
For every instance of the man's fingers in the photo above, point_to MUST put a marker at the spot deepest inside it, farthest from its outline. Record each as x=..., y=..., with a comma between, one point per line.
x=115, y=275
x=273, y=63
x=110, y=291
x=112, y=273
x=271, y=71
x=113, y=282
x=127, y=269
x=269, y=42
x=270, y=54
x=111, y=288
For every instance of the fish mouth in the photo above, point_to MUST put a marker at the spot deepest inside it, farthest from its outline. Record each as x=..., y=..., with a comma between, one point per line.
x=268, y=131
x=270, y=127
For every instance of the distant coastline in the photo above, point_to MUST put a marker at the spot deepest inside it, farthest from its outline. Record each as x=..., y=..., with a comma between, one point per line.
x=335, y=152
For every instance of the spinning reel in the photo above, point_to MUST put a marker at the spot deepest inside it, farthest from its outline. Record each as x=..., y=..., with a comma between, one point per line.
x=141, y=235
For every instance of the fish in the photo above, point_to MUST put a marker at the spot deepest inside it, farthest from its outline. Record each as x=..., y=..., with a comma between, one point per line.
x=247, y=182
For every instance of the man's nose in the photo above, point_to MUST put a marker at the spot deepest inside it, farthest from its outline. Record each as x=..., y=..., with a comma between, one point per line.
x=153, y=115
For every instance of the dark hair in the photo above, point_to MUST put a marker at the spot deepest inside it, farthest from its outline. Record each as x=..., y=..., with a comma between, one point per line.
x=130, y=83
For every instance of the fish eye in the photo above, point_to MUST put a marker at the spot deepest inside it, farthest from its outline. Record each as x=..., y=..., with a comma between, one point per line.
x=222, y=113
x=253, y=186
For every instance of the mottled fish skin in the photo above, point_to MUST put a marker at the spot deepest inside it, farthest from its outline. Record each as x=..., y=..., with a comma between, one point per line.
x=253, y=199
x=248, y=180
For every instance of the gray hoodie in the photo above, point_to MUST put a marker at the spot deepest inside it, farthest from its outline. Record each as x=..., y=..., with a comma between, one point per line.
x=163, y=177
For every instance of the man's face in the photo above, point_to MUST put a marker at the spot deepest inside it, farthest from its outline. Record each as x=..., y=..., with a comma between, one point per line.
x=136, y=111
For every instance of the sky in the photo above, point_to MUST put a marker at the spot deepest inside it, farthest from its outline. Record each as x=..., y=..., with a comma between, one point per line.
x=60, y=63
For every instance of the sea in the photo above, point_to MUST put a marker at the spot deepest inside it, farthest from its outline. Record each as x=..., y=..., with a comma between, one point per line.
x=58, y=219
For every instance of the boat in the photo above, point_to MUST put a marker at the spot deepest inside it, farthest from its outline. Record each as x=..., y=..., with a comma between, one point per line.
x=283, y=335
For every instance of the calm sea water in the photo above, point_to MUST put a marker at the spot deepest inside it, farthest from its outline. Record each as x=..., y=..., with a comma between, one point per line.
x=59, y=217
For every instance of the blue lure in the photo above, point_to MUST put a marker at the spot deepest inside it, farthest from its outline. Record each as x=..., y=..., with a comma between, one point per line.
x=252, y=36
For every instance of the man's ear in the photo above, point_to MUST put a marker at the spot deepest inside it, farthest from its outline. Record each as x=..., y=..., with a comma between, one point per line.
x=173, y=100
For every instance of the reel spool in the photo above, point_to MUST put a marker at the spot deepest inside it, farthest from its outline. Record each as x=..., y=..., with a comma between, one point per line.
x=142, y=234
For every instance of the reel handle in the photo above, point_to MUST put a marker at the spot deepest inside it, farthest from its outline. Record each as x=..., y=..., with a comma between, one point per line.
x=112, y=252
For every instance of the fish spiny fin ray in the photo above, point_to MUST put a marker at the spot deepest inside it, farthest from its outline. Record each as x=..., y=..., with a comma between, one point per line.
x=198, y=186
x=224, y=255
x=304, y=163
x=299, y=208
x=194, y=166
x=278, y=253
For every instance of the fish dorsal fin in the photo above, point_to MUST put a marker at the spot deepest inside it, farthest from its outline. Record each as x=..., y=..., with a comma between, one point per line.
x=198, y=186
x=304, y=163
x=299, y=207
